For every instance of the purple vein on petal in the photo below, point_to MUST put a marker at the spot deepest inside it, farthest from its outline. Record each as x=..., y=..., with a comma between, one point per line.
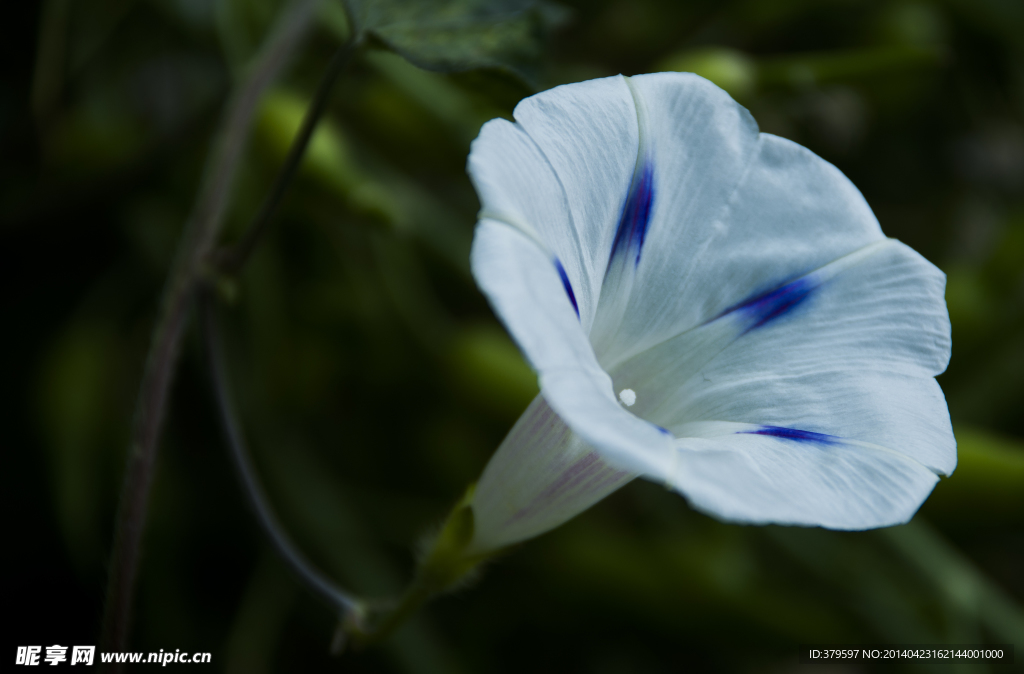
x=588, y=473
x=796, y=434
x=567, y=285
x=636, y=214
x=763, y=309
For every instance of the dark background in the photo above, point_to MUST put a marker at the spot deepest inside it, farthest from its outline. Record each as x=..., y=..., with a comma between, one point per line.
x=374, y=382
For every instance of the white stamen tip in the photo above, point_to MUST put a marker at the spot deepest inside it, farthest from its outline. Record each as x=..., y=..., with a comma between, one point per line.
x=627, y=396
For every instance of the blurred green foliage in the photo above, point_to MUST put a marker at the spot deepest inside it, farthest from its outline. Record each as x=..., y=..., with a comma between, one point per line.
x=373, y=380
x=458, y=35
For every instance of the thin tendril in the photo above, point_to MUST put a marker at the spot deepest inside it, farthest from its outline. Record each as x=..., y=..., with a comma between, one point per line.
x=349, y=607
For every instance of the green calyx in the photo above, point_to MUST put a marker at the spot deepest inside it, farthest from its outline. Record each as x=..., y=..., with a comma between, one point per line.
x=446, y=563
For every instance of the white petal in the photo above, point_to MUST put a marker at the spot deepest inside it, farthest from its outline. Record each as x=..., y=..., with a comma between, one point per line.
x=542, y=475
x=563, y=171
x=855, y=357
x=517, y=186
x=732, y=472
x=734, y=212
x=525, y=290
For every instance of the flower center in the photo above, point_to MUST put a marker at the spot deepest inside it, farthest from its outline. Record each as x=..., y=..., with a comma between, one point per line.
x=627, y=396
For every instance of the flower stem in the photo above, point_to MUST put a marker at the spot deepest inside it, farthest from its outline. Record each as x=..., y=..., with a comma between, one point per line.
x=348, y=606
x=415, y=596
x=232, y=259
x=161, y=362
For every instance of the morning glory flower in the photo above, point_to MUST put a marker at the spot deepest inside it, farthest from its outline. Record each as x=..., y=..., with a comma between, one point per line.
x=706, y=306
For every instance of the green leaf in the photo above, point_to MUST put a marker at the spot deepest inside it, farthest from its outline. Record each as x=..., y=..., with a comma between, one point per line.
x=460, y=35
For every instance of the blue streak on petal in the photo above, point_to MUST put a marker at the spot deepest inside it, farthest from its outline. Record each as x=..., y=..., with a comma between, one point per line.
x=795, y=434
x=636, y=214
x=567, y=285
x=764, y=309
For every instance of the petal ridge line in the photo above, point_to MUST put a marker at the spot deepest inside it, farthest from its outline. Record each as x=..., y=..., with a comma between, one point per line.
x=514, y=223
x=561, y=186
x=840, y=264
x=724, y=213
x=743, y=428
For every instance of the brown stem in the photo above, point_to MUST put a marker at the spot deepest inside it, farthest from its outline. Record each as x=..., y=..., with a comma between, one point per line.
x=179, y=294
